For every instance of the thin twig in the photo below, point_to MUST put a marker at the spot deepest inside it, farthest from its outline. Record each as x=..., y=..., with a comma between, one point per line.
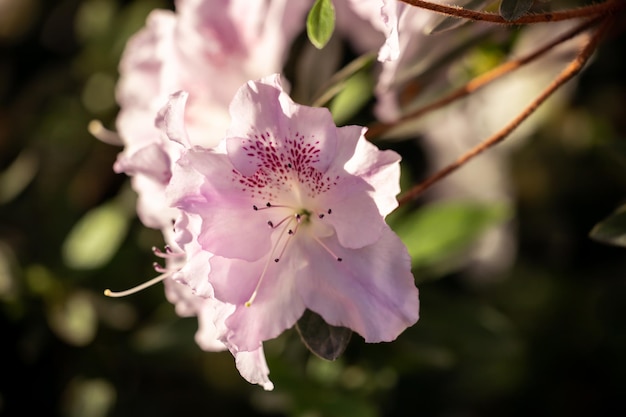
x=456, y=11
x=568, y=73
x=482, y=80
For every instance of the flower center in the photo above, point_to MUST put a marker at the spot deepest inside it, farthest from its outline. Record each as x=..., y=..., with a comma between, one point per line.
x=287, y=227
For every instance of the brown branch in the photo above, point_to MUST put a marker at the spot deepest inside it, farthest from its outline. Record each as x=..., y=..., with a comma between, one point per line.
x=475, y=84
x=568, y=73
x=456, y=11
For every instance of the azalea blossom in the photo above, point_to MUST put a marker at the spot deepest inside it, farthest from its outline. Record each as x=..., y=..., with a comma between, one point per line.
x=209, y=47
x=292, y=211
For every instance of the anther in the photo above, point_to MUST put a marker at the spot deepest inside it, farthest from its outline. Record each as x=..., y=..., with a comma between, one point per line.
x=158, y=268
x=167, y=253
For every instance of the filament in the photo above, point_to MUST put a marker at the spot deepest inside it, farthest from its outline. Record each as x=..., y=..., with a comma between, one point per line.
x=138, y=288
x=337, y=258
x=290, y=233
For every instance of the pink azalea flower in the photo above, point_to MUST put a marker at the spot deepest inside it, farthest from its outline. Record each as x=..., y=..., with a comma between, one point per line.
x=292, y=212
x=206, y=47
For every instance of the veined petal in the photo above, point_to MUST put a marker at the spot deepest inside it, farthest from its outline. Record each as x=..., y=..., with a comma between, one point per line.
x=202, y=183
x=354, y=214
x=266, y=121
x=381, y=170
x=275, y=306
x=371, y=291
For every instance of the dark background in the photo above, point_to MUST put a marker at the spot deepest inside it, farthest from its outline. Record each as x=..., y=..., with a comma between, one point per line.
x=545, y=337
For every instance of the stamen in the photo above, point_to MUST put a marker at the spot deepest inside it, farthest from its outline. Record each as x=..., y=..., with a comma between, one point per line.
x=337, y=258
x=159, y=268
x=269, y=205
x=96, y=128
x=167, y=253
x=321, y=215
x=290, y=233
x=274, y=226
x=138, y=288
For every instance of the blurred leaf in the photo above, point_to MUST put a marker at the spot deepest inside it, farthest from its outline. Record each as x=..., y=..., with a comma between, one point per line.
x=94, y=18
x=356, y=93
x=514, y=9
x=89, y=397
x=326, y=341
x=15, y=178
x=320, y=23
x=74, y=320
x=611, y=230
x=441, y=230
x=95, y=238
x=337, y=82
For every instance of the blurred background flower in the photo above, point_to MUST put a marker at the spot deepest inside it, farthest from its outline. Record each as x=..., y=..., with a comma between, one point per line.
x=543, y=335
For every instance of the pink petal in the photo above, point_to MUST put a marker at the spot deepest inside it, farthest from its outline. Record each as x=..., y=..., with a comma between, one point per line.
x=202, y=183
x=371, y=291
x=263, y=114
x=275, y=308
x=354, y=214
x=380, y=169
x=253, y=367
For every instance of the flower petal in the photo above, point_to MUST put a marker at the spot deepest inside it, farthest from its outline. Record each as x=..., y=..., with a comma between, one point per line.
x=371, y=291
x=264, y=115
x=202, y=183
x=253, y=367
x=380, y=169
x=275, y=307
x=353, y=213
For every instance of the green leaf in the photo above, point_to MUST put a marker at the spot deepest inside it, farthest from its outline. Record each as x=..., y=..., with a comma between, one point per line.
x=95, y=238
x=356, y=93
x=439, y=231
x=326, y=341
x=320, y=23
x=611, y=230
x=514, y=9
x=337, y=82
